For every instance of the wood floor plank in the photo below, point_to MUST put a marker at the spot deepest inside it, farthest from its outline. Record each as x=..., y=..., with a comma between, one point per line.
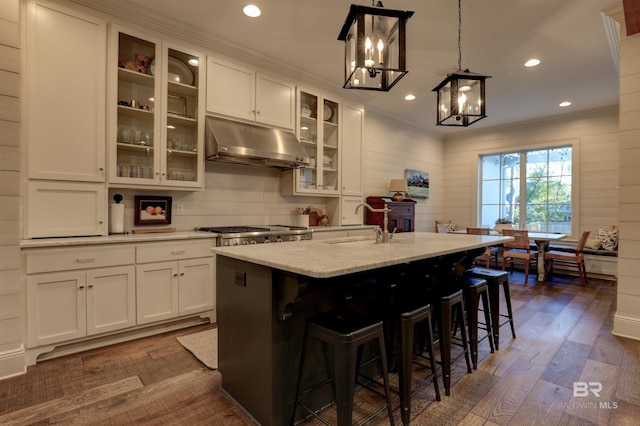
x=504, y=399
x=587, y=329
x=595, y=408
x=543, y=406
x=566, y=366
x=61, y=405
x=629, y=381
x=138, y=398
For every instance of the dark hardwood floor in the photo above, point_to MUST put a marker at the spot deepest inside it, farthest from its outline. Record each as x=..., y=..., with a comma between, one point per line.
x=563, y=337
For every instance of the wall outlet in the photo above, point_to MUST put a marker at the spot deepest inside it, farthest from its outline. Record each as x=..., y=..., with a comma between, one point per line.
x=179, y=208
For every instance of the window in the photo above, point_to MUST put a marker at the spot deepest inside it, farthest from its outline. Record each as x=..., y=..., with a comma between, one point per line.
x=531, y=188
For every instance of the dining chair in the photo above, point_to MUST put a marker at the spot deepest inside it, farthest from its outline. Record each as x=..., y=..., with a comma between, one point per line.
x=491, y=252
x=441, y=228
x=518, y=251
x=573, y=259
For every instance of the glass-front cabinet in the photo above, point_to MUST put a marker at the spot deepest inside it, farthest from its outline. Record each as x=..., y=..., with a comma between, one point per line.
x=156, y=135
x=318, y=128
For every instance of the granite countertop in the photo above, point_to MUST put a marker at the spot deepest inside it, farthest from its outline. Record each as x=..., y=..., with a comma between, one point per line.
x=341, y=256
x=115, y=239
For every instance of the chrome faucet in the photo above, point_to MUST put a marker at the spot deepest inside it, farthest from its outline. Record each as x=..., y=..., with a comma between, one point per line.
x=385, y=211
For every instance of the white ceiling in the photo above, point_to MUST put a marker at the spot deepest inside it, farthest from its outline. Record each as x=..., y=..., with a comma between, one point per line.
x=498, y=36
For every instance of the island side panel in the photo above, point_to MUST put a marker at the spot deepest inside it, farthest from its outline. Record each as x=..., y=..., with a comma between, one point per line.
x=245, y=335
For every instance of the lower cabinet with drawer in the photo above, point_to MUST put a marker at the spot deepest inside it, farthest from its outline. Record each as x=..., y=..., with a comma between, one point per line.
x=87, y=296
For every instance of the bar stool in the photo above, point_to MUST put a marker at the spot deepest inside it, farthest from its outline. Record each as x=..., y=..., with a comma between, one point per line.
x=450, y=305
x=495, y=279
x=346, y=332
x=476, y=290
x=408, y=322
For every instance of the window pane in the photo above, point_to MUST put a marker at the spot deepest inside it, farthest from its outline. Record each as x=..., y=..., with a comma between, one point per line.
x=547, y=201
x=491, y=192
x=490, y=167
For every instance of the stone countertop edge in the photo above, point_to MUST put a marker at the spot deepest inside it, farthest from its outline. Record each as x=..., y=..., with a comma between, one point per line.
x=115, y=239
x=341, y=228
x=342, y=256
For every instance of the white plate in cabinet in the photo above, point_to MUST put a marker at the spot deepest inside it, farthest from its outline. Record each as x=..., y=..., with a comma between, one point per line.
x=64, y=306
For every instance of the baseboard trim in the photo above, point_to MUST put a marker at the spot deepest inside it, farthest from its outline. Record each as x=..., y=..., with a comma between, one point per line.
x=12, y=363
x=626, y=327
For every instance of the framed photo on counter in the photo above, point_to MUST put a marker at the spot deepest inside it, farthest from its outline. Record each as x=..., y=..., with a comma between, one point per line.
x=152, y=210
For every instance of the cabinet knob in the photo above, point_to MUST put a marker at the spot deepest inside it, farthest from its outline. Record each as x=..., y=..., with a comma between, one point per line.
x=101, y=169
x=90, y=285
x=175, y=275
x=258, y=112
x=81, y=287
x=182, y=274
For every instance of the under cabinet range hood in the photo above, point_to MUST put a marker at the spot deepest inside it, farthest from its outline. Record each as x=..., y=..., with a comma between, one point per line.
x=243, y=143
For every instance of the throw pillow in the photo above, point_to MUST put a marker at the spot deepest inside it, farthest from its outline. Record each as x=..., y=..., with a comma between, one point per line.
x=609, y=238
x=593, y=243
x=451, y=226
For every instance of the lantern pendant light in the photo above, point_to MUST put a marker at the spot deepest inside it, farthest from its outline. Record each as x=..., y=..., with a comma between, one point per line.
x=375, y=47
x=461, y=96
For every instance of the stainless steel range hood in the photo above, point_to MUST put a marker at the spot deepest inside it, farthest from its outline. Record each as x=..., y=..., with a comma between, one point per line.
x=231, y=141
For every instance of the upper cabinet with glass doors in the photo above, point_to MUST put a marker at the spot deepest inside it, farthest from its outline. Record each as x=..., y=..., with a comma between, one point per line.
x=318, y=129
x=156, y=137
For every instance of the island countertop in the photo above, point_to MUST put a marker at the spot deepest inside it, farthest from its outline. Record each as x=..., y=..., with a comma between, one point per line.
x=341, y=256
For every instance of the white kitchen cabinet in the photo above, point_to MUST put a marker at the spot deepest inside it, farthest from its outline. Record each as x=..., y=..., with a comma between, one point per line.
x=65, y=209
x=320, y=134
x=156, y=134
x=178, y=281
x=74, y=293
x=348, y=205
x=240, y=92
x=66, y=55
x=351, y=147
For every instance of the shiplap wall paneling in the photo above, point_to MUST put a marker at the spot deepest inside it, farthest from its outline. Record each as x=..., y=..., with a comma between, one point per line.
x=11, y=348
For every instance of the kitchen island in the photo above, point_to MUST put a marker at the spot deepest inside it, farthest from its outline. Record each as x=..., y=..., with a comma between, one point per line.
x=267, y=291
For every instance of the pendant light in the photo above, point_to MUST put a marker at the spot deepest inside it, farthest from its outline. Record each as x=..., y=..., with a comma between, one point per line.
x=375, y=47
x=461, y=96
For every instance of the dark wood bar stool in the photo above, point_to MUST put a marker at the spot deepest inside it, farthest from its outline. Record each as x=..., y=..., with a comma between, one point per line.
x=476, y=290
x=450, y=306
x=345, y=332
x=496, y=279
x=418, y=318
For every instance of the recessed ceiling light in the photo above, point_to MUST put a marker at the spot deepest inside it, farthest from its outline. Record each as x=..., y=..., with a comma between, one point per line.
x=564, y=104
x=409, y=97
x=532, y=63
x=251, y=10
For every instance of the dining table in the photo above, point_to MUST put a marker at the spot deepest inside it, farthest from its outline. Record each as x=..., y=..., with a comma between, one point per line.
x=542, y=241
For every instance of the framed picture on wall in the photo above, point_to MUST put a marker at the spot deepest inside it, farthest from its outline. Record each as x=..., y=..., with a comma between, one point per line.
x=417, y=183
x=152, y=210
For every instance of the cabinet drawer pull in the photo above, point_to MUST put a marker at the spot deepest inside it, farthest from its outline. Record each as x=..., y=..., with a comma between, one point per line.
x=86, y=260
x=177, y=252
